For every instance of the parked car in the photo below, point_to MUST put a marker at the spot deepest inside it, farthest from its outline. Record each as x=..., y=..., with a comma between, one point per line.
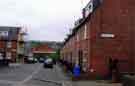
x=4, y=61
x=48, y=63
x=41, y=60
x=30, y=60
x=35, y=60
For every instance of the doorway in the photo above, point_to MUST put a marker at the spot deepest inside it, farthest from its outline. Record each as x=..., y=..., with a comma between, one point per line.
x=80, y=53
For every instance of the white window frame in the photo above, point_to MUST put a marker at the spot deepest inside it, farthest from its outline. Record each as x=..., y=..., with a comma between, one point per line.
x=77, y=37
x=8, y=55
x=9, y=44
x=85, y=31
x=3, y=33
x=1, y=56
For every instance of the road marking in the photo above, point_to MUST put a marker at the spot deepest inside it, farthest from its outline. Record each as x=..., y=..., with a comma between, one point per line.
x=15, y=64
x=66, y=83
x=50, y=81
x=30, y=76
x=8, y=82
x=20, y=83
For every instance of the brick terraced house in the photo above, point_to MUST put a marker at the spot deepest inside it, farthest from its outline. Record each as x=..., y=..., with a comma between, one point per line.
x=106, y=31
x=22, y=48
x=8, y=43
x=42, y=51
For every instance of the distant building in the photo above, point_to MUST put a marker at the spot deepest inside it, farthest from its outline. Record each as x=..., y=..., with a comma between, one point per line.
x=22, y=45
x=42, y=51
x=52, y=44
x=28, y=51
x=9, y=42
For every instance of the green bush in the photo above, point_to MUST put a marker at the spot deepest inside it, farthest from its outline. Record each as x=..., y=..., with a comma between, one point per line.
x=55, y=56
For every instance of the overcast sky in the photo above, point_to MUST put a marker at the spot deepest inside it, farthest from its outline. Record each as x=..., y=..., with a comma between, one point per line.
x=44, y=19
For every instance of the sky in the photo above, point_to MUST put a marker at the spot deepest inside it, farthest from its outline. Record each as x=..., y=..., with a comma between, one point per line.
x=48, y=20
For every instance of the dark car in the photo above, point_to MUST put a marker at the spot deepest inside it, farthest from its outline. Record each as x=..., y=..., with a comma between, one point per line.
x=31, y=60
x=35, y=60
x=48, y=63
x=41, y=60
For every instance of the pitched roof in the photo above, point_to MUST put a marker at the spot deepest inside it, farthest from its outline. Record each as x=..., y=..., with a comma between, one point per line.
x=12, y=32
x=43, y=49
x=96, y=4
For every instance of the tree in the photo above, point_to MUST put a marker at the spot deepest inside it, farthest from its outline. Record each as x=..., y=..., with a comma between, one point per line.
x=55, y=56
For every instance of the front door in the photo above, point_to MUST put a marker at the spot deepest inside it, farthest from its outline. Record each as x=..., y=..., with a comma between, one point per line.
x=80, y=58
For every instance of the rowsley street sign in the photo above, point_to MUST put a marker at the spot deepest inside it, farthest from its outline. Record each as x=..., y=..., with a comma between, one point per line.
x=107, y=35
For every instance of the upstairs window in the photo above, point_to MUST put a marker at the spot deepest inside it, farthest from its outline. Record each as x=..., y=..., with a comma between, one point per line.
x=3, y=33
x=77, y=37
x=9, y=44
x=85, y=31
x=8, y=55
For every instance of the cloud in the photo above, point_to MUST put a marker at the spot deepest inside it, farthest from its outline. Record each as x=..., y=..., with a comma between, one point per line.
x=45, y=19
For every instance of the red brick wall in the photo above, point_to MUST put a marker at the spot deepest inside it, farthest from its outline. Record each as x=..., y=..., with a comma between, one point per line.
x=13, y=49
x=1, y=44
x=131, y=11
x=111, y=17
x=97, y=60
x=14, y=44
x=14, y=53
x=13, y=56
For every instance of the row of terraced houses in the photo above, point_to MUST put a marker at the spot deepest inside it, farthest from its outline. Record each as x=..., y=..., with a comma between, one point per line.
x=106, y=31
x=12, y=44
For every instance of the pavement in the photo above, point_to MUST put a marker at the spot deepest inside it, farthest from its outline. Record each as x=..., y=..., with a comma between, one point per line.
x=36, y=75
x=94, y=83
x=87, y=82
x=68, y=82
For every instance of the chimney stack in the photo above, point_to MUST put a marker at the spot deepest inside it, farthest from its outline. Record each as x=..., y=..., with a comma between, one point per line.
x=83, y=13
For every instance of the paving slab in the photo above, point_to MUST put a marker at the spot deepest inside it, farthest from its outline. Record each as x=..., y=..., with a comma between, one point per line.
x=94, y=83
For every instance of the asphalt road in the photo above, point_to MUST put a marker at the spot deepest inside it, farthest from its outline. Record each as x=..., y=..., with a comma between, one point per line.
x=31, y=75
